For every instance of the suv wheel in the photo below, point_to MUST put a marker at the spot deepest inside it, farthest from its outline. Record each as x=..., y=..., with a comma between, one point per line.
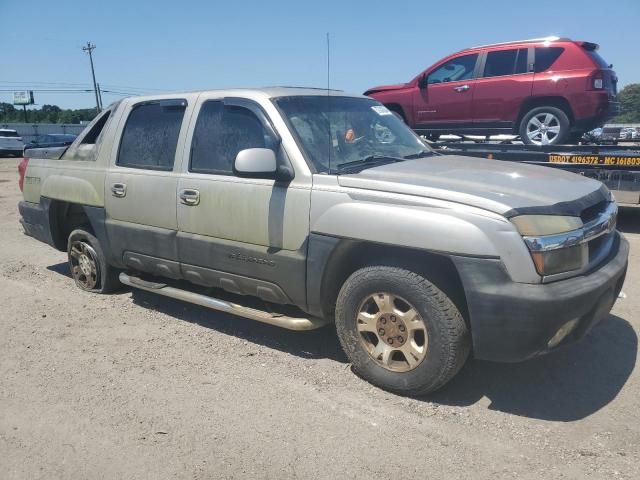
x=400, y=331
x=544, y=126
x=88, y=265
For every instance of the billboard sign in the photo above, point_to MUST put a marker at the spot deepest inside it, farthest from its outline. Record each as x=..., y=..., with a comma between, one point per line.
x=24, y=97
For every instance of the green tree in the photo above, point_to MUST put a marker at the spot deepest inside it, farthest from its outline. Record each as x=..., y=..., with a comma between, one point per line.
x=629, y=98
x=45, y=114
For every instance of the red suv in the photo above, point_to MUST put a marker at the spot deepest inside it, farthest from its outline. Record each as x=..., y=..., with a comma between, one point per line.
x=548, y=91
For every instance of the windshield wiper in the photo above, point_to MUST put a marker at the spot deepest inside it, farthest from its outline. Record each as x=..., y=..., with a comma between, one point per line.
x=369, y=161
x=424, y=153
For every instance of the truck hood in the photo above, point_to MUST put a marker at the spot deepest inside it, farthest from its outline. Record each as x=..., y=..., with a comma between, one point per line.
x=506, y=188
x=385, y=88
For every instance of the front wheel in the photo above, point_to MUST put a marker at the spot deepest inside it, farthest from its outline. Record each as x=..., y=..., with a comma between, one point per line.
x=400, y=331
x=544, y=126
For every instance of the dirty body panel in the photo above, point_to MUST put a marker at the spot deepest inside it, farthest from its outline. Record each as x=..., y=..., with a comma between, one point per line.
x=287, y=241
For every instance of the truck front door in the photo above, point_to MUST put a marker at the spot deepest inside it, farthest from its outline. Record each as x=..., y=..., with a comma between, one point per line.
x=245, y=235
x=444, y=97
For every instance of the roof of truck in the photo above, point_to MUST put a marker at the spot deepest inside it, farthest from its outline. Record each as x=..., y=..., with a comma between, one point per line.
x=269, y=92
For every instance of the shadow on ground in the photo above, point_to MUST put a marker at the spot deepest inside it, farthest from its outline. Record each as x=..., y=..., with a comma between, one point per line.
x=566, y=385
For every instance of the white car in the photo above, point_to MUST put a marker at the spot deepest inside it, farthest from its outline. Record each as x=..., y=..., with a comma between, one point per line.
x=628, y=133
x=10, y=142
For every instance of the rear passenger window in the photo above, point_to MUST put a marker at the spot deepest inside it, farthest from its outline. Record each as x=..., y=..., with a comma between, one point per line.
x=95, y=133
x=545, y=56
x=151, y=135
x=221, y=132
x=505, y=62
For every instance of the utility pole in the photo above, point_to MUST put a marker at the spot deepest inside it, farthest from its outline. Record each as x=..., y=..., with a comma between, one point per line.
x=100, y=96
x=89, y=48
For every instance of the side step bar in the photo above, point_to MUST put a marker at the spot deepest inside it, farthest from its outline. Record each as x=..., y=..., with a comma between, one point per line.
x=279, y=320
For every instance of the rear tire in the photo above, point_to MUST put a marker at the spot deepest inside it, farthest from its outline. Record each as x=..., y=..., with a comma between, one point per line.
x=88, y=265
x=425, y=346
x=544, y=126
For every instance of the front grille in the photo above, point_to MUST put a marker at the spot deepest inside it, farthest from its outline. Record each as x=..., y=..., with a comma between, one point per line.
x=599, y=247
x=591, y=213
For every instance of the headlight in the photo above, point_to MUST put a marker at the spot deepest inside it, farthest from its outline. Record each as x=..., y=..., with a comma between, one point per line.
x=532, y=225
x=550, y=254
x=561, y=260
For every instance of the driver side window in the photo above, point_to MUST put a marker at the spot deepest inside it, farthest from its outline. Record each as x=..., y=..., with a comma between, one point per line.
x=457, y=69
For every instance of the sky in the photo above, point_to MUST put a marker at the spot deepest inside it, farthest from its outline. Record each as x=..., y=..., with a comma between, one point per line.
x=153, y=46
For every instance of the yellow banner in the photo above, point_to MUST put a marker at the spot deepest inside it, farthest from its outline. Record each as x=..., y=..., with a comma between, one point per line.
x=596, y=160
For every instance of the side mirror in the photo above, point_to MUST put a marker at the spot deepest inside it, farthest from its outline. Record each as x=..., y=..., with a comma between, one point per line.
x=261, y=163
x=256, y=162
x=424, y=81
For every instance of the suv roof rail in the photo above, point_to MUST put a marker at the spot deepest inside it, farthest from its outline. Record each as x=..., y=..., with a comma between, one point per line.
x=530, y=40
x=306, y=88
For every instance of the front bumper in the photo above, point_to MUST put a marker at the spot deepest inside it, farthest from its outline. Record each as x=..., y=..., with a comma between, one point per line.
x=512, y=321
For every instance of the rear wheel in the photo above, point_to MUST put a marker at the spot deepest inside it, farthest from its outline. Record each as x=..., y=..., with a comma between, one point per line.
x=400, y=331
x=88, y=265
x=544, y=126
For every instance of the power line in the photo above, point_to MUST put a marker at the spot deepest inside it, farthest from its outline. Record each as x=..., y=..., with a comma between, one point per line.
x=54, y=90
x=44, y=83
x=39, y=86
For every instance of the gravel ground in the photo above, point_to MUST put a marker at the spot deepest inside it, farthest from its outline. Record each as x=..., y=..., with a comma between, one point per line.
x=134, y=385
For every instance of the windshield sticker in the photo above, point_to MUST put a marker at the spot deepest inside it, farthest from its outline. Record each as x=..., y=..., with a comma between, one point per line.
x=380, y=110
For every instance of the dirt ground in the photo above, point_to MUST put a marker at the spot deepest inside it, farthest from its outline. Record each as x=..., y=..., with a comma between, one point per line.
x=133, y=385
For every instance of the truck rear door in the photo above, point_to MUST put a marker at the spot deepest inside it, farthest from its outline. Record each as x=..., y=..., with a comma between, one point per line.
x=505, y=83
x=141, y=183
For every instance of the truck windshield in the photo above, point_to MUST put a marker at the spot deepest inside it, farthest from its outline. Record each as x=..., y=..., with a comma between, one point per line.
x=335, y=132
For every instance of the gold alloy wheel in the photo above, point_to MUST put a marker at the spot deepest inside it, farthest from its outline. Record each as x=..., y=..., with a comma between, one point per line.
x=84, y=264
x=392, y=331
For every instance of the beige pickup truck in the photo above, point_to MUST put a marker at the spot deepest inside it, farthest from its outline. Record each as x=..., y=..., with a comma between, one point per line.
x=302, y=208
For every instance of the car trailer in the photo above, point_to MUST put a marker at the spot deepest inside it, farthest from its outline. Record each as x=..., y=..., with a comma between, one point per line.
x=617, y=166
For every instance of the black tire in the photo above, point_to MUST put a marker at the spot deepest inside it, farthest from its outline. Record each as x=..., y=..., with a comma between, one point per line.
x=448, y=336
x=106, y=278
x=563, y=121
x=575, y=138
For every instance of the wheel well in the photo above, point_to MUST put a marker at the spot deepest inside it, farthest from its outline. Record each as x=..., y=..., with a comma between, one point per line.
x=351, y=255
x=534, y=102
x=66, y=217
x=394, y=107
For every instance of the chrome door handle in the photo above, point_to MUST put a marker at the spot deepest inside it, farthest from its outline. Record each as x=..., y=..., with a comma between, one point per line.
x=118, y=190
x=462, y=88
x=190, y=197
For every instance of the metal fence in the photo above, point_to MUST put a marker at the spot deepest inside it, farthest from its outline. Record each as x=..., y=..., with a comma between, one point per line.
x=29, y=130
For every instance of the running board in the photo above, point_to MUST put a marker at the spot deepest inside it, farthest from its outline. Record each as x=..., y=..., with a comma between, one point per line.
x=279, y=320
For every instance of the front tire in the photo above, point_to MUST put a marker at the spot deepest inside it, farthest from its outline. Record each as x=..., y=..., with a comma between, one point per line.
x=88, y=265
x=400, y=331
x=544, y=126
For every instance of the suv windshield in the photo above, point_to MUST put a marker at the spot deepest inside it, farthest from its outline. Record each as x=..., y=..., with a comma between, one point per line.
x=339, y=132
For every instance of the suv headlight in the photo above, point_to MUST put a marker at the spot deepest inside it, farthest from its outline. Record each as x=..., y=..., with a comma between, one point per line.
x=534, y=225
x=553, y=248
